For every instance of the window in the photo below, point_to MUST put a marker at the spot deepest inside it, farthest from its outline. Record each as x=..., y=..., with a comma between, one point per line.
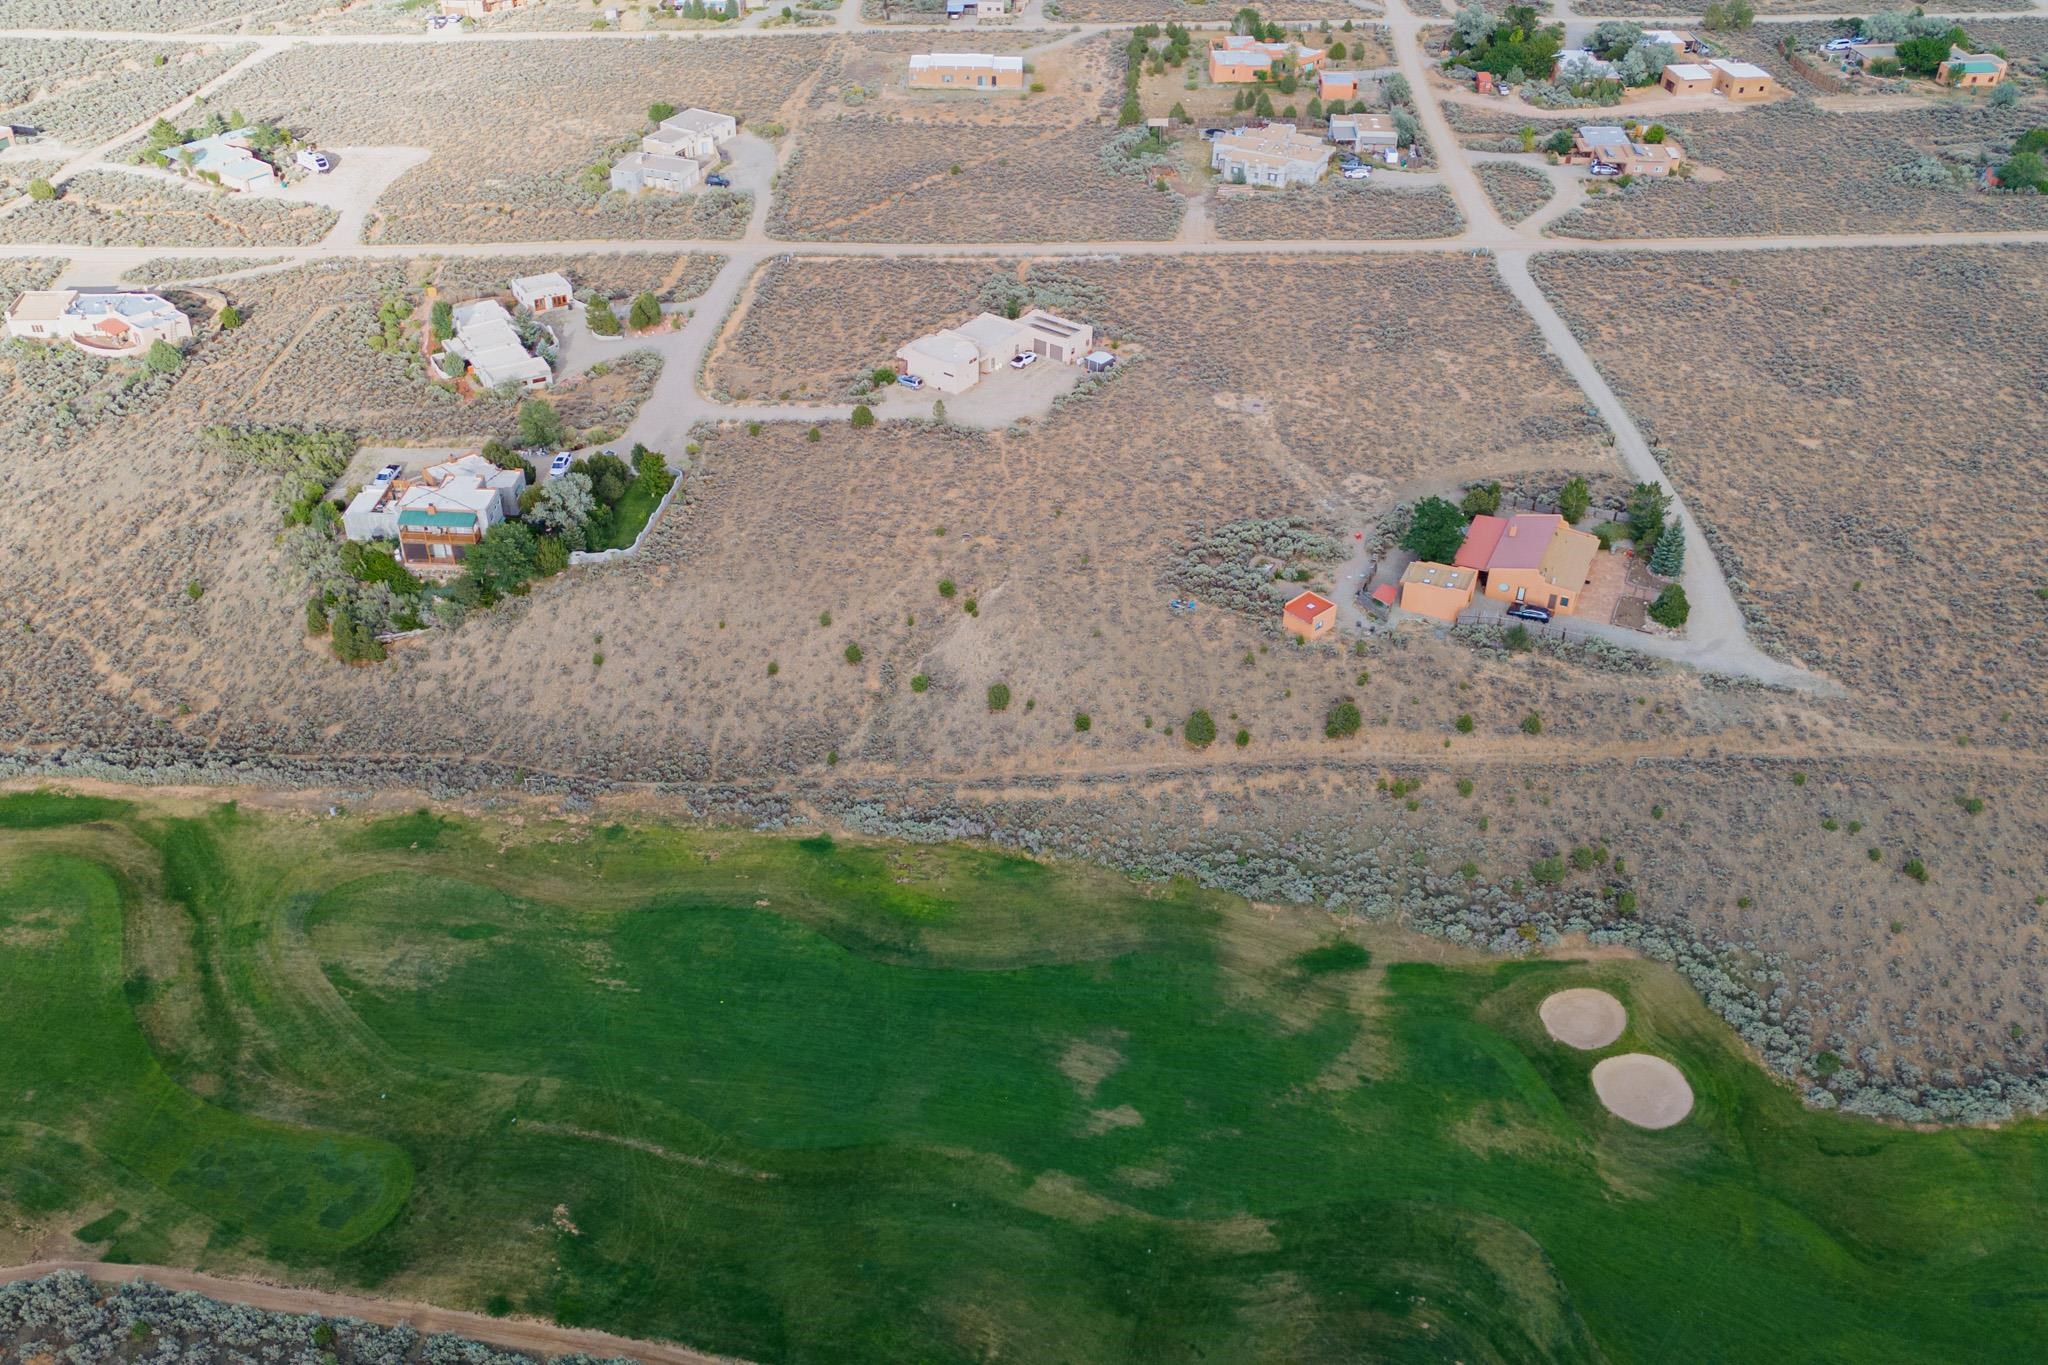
x=1564, y=601
x=1521, y=594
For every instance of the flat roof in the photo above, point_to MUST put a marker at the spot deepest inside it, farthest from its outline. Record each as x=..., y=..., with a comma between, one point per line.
x=987, y=330
x=947, y=345
x=1742, y=69
x=42, y=305
x=1689, y=71
x=1432, y=574
x=921, y=60
x=551, y=282
x=1309, y=605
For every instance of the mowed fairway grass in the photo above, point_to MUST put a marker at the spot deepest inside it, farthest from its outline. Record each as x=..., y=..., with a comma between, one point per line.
x=798, y=1100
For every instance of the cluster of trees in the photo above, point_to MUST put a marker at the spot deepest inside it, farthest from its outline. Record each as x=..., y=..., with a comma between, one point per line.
x=1922, y=56
x=582, y=507
x=1725, y=16
x=2026, y=166
x=264, y=137
x=1513, y=47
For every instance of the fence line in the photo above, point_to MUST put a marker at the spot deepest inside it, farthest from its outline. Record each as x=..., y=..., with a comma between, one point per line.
x=579, y=558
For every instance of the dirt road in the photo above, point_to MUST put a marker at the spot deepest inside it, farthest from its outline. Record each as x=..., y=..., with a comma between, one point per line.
x=518, y=1334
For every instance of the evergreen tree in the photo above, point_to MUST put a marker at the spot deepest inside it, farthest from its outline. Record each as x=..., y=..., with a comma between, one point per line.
x=1668, y=559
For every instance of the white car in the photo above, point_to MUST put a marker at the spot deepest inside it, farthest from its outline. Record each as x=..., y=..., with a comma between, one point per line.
x=1839, y=44
x=1018, y=362
x=1357, y=173
x=559, y=466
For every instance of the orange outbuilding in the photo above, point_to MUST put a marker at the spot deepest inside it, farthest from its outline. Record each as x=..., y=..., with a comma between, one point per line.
x=1439, y=590
x=1311, y=616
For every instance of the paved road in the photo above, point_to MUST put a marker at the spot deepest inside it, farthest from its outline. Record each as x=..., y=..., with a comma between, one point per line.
x=519, y=1334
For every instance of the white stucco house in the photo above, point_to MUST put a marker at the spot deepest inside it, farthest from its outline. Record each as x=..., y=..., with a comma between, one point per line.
x=104, y=322
x=954, y=359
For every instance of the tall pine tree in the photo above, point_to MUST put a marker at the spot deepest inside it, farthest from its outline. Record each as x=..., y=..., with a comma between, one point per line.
x=1668, y=559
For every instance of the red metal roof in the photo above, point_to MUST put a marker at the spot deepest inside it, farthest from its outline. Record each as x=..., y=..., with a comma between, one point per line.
x=1480, y=537
x=1385, y=594
x=1309, y=606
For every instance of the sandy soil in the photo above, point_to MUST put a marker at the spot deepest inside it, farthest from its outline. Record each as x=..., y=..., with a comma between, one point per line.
x=1644, y=1090
x=1583, y=1018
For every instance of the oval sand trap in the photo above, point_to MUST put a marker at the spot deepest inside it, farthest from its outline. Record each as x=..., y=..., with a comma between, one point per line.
x=1583, y=1018
x=1647, y=1091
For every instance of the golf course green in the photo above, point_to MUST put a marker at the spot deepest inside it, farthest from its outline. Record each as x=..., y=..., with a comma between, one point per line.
x=804, y=1100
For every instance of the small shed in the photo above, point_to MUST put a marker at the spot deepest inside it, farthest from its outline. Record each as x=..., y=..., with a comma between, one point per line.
x=1483, y=82
x=1096, y=362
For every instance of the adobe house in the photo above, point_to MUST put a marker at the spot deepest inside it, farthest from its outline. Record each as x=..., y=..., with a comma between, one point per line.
x=477, y=9
x=953, y=359
x=1612, y=146
x=965, y=71
x=1530, y=559
x=1239, y=59
x=1741, y=81
x=1337, y=85
x=1309, y=615
x=1688, y=78
x=1439, y=590
x=102, y=322
x=1971, y=71
x=542, y=293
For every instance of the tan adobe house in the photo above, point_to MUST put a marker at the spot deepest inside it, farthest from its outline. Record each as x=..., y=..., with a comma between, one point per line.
x=1741, y=81
x=1687, y=78
x=477, y=9
x=1439, y=590
x=542, y=293
x=108, y=323
x=1240, y=59
x=1971, y=70
x=1530, y=559
x=954, y=359
x=1608, y=145
x=694, y=133
x=965, y=71
x=1273, y=155
x=1309, y=615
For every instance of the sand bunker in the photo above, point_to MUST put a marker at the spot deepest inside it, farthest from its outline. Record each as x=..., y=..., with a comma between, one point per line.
x=1583, y=1018
x=1647, y=1091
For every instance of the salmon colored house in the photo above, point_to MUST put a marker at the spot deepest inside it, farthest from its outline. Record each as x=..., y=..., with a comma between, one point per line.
x=1530, y=559
x=1337, y=85
x=1439, y=590
x=1239, y=59
x=1311, y=616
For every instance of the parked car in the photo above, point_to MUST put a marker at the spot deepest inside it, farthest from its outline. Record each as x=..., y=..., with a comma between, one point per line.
x=1839, y=44
x=717, y=181
x=1529, y=613
x=1357, y=173
x=910, y=381
x=386, y=474
x=1018, y=362
x=559, y=466
x=1603, y=168
x=319, y=163
x=1348, y=159
x=1211, y=134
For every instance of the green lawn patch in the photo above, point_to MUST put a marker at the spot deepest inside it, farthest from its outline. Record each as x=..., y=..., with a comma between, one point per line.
x=838, y=1100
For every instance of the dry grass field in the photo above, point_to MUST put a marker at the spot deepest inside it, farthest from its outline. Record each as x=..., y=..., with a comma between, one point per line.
x=1160, y=11
x=90, y=95
x=1851, y=433
x=1343, y=209
x=1516, y=191
x=794, y=336
x=122, y=208
x=670, y=276
x=1792, y=169
x=512, y=128
x=869, y=179
x=164, y=269
x=151, y=15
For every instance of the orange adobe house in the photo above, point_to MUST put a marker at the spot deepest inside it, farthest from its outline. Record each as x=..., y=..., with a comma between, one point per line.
x=1531, y=558
x=1239, y=59
x=1439, y=590
x=1311, y=616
